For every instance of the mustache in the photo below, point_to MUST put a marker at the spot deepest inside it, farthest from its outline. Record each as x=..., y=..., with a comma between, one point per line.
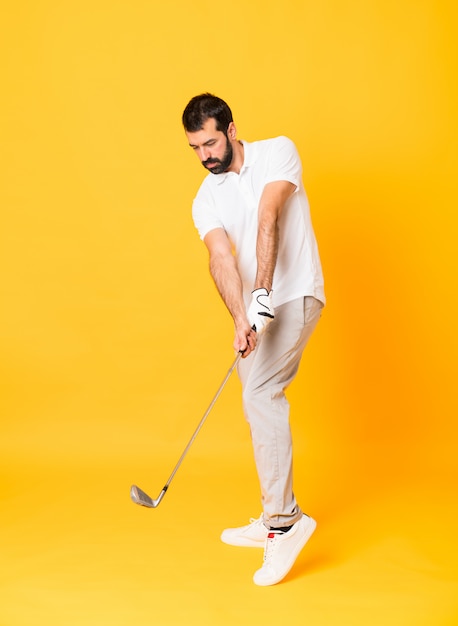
x=211, y=162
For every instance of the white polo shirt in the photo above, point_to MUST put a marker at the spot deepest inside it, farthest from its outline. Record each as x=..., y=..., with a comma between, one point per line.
x=230, y=201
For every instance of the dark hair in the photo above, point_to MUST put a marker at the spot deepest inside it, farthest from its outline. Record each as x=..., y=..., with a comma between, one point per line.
x=203, y=107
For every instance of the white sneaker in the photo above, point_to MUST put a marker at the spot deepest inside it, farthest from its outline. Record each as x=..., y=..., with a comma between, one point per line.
x=253, y=535
x=281, y=551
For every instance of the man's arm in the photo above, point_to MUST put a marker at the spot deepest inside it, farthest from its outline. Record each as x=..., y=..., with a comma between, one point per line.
x=272, y=201
x=224, y=271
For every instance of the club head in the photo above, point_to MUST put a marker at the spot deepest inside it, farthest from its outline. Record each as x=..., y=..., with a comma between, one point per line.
x=140, y=497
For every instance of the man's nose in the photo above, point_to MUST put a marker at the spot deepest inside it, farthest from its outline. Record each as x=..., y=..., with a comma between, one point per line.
x=204, y=153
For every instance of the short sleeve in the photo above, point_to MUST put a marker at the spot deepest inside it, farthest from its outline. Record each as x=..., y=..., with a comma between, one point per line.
x=284, y=162
x=204, y=220
x=205, y=212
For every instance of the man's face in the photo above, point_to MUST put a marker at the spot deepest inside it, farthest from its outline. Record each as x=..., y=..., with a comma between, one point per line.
x=212, y=147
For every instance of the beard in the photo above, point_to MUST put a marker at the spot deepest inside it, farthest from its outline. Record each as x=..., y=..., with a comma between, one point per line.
x=220, y=165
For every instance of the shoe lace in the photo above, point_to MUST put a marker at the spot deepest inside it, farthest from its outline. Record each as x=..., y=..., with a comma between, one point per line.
x=257, y=520
x=271, y=542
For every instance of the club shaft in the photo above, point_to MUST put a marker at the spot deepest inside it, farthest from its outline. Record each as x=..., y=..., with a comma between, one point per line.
x=138, y=495
x=202, y=421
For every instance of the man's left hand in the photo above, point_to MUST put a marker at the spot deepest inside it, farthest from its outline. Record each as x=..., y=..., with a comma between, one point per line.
x=261, y=311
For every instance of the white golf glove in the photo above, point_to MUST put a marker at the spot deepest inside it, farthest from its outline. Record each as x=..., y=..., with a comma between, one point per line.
x=260, y=312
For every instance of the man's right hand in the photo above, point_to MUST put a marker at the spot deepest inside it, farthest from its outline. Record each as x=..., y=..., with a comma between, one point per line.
x=244, y=340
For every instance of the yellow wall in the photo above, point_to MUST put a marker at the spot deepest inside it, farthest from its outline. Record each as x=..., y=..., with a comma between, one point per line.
x=104, y=285
x=113, y=339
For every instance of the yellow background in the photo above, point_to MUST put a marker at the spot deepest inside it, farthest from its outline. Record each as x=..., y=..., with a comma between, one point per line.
x=113, y=339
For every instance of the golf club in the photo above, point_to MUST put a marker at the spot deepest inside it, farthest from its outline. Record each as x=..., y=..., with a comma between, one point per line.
x=140, y=497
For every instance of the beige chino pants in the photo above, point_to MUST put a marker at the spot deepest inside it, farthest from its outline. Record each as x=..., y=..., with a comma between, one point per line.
x=265, y=374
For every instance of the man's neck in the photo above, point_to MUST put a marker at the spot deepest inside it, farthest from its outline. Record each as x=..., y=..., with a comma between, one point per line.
x=239, y=155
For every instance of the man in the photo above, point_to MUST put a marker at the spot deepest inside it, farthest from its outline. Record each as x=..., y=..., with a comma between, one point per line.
x=252, y=213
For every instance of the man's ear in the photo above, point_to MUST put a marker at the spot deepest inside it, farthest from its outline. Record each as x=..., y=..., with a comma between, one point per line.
x=231, y=131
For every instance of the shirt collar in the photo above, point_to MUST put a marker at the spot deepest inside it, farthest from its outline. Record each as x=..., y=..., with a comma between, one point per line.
x=249, y=157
